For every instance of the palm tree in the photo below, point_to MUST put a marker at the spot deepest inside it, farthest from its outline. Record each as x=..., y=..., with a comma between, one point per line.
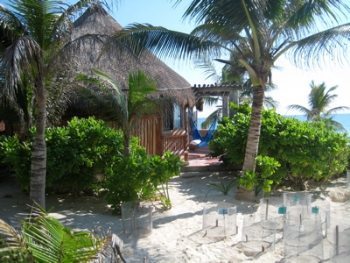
x=260, y=32
x=33, y=33
x=319, y=101
x=132, y=103
x=234, y=72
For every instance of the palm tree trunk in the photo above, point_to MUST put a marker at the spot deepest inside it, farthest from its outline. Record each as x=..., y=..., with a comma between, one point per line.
x=127, y=150
x=253, y=139
x=38, y=161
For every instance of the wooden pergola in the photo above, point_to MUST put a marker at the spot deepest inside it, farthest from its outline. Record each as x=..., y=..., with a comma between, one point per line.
x=226, y=91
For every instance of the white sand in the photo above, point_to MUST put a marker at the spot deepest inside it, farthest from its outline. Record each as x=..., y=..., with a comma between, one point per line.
x=177, y=234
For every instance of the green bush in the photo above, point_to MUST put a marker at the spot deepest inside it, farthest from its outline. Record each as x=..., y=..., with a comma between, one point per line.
x=75, y=154
x=164, y=168
x=140, y=176
x=305, y=150
x=15, y=155
x=265, y=177
x=79, y=151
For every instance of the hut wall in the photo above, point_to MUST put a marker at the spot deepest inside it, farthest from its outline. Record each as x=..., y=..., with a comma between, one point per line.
x=156, y=140
x=149, y=131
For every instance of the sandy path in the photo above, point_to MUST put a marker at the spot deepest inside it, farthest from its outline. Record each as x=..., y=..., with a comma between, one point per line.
x=176, y=235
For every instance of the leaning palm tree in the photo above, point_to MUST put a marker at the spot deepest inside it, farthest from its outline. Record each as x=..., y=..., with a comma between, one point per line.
x=260, y=31
x=319, y=102
x=33, y=34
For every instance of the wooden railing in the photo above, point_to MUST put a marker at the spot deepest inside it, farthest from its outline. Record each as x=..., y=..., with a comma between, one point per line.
x=175, y=141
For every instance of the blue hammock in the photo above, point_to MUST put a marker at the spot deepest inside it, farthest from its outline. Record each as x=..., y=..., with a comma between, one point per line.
x=204, y=140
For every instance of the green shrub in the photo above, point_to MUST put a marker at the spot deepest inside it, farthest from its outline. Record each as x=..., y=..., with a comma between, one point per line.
x=164, y=168
x=79, y=151
x=75, y=154
x=265, y=177
x=305, y=150
x=16, y=156
x=140, y=176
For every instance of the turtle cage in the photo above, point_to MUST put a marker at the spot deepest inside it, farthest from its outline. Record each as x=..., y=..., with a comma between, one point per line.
x=262, y=229
x=220, y=220
x=137, y=219
x=303, y=239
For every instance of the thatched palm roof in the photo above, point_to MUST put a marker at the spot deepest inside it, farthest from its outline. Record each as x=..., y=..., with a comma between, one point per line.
x=91, y=32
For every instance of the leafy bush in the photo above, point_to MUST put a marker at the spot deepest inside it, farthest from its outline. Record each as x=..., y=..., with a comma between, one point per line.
x=265, y=177
x=79, y=151
x=305, y=150
x=164, y=168
x=139, y=176
x=16, y=156
x=75, y=154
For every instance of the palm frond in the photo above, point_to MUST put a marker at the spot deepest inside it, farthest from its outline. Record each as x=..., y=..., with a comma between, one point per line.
x=9, y=236
x=333, y=124
x=336, y=109
x=310, y=49
x=213, y=117
x=9, y=22
x=300, y=108
x=140, y=87
x=211, y=100
x=12, y=245
x=269, y=102
x=208, y=69
x=164, y=42
x=49, y=241
x=19, y=57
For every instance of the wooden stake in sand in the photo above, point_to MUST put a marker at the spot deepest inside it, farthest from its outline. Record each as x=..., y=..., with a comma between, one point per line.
x=337, y=240
x=267, y=209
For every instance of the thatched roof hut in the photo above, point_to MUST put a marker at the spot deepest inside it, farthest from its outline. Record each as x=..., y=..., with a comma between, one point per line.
x=92, y=31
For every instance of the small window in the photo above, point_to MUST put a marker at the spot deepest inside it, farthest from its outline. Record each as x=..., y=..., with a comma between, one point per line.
x=172, y=117
x=177, y=116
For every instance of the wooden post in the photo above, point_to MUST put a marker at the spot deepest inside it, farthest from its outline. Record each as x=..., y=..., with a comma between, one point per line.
x=159, y=136
x=225, y=106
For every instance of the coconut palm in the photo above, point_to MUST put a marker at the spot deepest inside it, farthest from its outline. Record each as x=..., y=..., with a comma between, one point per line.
x=234, y=72
x=260, y=31
x=33, y=33
x=320, y=99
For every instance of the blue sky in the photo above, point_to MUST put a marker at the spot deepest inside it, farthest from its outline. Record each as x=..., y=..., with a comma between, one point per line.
x=292, y=82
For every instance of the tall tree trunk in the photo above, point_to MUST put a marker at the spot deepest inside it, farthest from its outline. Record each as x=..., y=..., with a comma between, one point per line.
x=253, y=139
x=38, y=161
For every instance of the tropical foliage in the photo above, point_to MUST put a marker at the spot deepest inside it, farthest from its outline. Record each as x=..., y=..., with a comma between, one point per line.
x=76, y=154
x=32, y=36
x=264, y=178
x=86, y=155
x=44, y=239
x=306, y=151
x=319, y=100
x=256, y=32
x=138, y=176
x=131, y=104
